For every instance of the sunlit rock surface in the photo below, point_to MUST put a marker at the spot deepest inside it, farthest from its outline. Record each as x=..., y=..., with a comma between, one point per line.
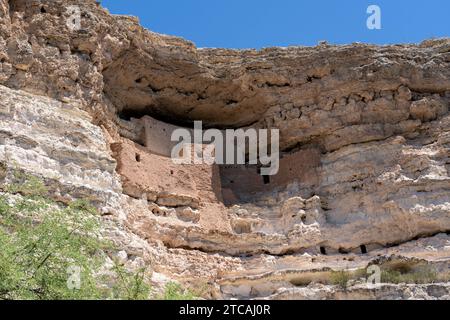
x=364, y=130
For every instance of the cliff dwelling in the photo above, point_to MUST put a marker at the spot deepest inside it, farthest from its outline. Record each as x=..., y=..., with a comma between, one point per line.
x=364, y=172
x=148, y=172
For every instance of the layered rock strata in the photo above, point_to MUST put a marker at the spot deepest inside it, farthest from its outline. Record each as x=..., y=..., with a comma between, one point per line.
x=364, y=135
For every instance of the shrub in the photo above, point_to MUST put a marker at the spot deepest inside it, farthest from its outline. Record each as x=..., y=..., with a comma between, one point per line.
x=174, y=291
x=130, y=286
x=340, y=278
x=39, y=247
x=26, y=185
x=419, y=276
x=44, y=245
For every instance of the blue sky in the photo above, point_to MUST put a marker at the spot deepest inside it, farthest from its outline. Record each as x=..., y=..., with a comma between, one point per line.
x=265, y=23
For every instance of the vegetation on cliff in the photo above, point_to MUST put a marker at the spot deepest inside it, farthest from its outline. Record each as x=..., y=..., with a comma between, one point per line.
x=56, y=251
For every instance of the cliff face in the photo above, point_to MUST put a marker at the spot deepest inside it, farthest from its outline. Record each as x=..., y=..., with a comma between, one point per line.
x=364, y=129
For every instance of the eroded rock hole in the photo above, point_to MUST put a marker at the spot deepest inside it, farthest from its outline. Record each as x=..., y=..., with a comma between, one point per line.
x=128, y=113
x=241, y=227
x=138, y=157
x=363, y=249
x=229, y=102
x=159, y=212
x=323, y=251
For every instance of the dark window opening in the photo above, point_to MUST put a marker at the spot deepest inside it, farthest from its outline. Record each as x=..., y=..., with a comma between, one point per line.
x=266, y=179
x=363, y=249
x=138, y=157
x=43, y=10
x=323, y=251
x=171, y=172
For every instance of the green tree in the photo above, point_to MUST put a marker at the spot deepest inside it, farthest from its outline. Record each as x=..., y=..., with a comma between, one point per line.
x=46, y=245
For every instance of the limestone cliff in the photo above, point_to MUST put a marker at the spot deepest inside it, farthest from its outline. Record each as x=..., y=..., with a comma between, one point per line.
x=365, y=139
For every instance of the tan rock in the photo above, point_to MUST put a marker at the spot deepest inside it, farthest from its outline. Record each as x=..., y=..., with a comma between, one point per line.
x=364, y=138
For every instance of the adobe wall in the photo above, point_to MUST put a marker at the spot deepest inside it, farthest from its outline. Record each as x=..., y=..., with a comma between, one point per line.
x=244, y=183
x=157, y=136
x=157, y=176
x=160, y=180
